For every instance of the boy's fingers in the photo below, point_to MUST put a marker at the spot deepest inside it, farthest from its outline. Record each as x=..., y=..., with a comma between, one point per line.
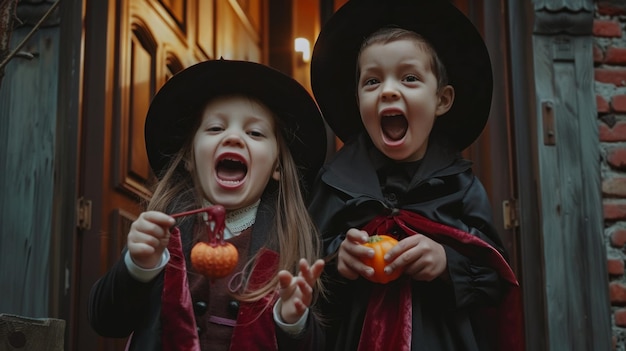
x=403, y=246
x=357, y=236
x=356, y=249
x=346, y=271
x=353, y=268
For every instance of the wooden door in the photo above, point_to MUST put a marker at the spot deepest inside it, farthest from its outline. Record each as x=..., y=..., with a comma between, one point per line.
x=131, y=48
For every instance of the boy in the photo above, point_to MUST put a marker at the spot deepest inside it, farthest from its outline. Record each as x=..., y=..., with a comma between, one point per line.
x=423, y=92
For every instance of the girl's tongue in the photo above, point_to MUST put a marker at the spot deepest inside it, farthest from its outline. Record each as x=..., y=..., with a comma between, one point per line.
x=394, y=127
x=231, y=170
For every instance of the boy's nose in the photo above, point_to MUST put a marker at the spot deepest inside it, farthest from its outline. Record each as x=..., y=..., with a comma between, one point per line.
x=389, y=92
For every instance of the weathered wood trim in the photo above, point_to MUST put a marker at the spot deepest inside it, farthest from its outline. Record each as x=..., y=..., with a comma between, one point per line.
x=27, y=146
x=532, y=280
x=569, y=190
x=63, y=229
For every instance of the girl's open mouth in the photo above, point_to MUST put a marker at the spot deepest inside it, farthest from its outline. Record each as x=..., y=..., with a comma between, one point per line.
x=231, y=170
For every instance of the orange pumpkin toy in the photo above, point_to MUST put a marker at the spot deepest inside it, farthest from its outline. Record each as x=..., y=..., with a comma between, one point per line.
x=215, y=258
x=381, y=244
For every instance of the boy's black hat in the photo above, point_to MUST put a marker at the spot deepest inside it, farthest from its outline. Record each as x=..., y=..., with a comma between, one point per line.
x=175, y=109
x=454, y=37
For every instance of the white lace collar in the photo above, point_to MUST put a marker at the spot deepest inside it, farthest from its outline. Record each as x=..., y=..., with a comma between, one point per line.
x=239, y=220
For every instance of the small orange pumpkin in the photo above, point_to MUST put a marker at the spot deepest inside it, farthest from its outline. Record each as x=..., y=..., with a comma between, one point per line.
x=214, y=261
x=215, y=258
x=381, y=244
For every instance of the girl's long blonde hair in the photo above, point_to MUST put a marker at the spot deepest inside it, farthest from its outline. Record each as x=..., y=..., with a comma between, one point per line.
x=295, y=234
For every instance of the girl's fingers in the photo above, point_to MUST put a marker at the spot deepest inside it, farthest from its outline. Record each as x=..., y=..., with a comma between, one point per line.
x=311, y=273
x=145, y=239
x=284, y=279
x=154, y=223
x=159, y=218
x=317, y=268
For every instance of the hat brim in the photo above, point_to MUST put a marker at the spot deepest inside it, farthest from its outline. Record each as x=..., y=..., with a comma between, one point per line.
x=174, y=110
x=456, y=40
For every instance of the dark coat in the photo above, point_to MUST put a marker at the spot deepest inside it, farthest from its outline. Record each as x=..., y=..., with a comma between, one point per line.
x=358, y=184
x=120, y=305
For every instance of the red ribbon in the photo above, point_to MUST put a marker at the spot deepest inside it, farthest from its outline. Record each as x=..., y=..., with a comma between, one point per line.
x=178, y=321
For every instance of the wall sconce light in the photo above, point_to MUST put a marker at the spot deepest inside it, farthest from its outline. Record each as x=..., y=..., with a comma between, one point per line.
x=303, y=46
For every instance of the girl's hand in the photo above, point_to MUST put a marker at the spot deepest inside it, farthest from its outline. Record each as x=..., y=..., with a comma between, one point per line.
x=421, y=257
x=296, y=293
x=349, y=262
x=148, y=238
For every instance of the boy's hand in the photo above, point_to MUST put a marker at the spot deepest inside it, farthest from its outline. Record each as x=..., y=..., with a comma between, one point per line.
x=296, y=293
x=421, y=257
x=349, y=262
x=148, y=238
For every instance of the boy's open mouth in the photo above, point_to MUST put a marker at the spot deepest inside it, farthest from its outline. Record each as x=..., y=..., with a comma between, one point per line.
x=231, y=170
x=394, y=126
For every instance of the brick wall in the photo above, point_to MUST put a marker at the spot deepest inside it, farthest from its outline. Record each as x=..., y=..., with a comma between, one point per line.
x=610, y=85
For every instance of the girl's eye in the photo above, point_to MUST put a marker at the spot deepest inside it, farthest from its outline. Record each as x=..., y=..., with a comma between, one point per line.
x=371, y=81
x=255, y=133
x=411, y=78
x=214, y=129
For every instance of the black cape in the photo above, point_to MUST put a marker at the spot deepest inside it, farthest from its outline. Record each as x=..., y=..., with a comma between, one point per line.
x=358, y=184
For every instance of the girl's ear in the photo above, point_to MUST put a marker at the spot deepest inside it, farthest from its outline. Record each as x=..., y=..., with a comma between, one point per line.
x=276, y=173
x=188, y=165
x=446, y=99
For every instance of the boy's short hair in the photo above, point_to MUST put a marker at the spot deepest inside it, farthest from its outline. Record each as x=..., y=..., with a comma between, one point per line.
x=390, y=34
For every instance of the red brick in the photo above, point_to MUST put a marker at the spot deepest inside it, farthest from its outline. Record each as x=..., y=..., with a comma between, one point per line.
x=620, y=317
x=611, y=76
x=611, y=8
x=616, y=158
x=614, y=209
x=618, y=103
x=615, y=267
x=615, y=56
x=602, y=105
x=607, y=29
x=618, y=238
x=617, y=293
x=616, y=133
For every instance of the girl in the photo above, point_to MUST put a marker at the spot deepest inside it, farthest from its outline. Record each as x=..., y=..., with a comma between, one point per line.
x=247, y=137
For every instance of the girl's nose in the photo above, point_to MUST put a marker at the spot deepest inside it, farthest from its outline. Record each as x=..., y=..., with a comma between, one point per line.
x=233, y=139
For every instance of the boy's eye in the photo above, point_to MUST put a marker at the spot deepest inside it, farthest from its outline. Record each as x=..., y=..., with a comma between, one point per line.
x=214, y=129
x=411, y=78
